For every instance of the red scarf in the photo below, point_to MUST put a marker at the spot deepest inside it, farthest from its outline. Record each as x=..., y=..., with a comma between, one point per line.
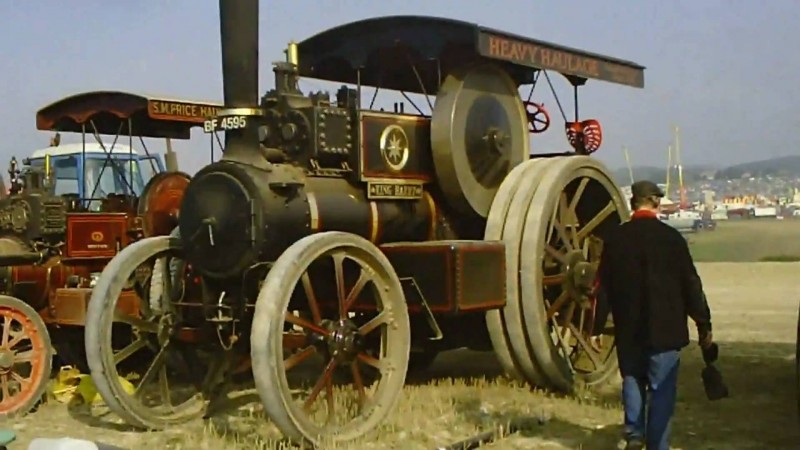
x=644, y=214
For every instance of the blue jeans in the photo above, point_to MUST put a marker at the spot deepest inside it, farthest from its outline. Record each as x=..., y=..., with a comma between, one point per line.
x=655, y=373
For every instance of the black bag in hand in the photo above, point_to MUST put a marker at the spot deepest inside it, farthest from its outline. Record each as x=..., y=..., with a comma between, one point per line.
x=712, y=378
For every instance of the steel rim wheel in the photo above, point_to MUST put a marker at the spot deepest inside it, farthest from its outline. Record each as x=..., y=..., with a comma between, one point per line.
x=359, y=268
x=495, y=320
x=25, y=357
x=153, y=331
x=572, y=209
x=510, y=230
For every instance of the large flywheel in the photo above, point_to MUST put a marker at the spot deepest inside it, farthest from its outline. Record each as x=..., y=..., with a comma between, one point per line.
x=479, y=132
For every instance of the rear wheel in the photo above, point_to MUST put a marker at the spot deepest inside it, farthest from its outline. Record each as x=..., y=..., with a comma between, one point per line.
x=506, y=222
x=571, y=332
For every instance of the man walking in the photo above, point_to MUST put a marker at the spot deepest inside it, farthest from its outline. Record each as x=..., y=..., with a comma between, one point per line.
x=649, y=279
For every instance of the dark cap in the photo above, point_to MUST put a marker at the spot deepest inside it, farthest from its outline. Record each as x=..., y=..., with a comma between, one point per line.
x=644, y=189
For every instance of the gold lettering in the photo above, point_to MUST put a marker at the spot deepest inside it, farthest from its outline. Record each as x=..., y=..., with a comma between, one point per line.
x=494, y=46
x=504, y=45
x=181, y=111
x=395, y=190
x=526, y=53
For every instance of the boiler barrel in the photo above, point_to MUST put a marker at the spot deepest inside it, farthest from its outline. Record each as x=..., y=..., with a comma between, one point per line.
x=331, y=204
x=234, y=216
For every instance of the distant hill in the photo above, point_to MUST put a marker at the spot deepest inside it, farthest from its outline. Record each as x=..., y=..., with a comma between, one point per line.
x=785, y=166
x=656, y=174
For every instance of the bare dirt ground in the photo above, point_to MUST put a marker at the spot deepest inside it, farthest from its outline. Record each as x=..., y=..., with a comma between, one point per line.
x=754, y=308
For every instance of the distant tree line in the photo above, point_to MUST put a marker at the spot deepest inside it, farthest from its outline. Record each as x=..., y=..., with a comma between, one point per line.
x=787, y=166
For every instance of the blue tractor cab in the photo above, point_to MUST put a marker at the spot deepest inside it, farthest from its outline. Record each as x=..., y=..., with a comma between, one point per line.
x=94, y=171
x=112, y=158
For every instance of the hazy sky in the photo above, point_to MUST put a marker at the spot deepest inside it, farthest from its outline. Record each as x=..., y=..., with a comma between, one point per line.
x=725, y=71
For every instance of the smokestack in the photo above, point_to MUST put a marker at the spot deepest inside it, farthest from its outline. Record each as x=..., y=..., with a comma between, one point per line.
x=239, y=36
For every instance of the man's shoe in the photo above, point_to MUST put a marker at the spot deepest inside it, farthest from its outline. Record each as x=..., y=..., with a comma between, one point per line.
x=634, y=444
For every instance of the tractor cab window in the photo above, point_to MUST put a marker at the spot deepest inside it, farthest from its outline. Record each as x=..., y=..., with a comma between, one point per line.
x=65, y=175
x=148, y=168
x=117, y=176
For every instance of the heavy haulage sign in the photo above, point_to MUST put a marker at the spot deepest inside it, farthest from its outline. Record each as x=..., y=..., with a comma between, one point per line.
x=541, y=56
x=181, y=111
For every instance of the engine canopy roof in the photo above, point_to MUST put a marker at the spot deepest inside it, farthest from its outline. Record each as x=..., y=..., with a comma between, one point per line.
x=110, y=112
x=387, y=50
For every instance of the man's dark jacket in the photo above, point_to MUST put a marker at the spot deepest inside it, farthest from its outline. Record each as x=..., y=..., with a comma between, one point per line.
x=648, y=276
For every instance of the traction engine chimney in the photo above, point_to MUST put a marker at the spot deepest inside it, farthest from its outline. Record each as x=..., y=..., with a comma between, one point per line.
x=239, y=39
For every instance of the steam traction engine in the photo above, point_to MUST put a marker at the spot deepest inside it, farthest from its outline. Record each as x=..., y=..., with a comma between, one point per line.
x=69, y=210
x=347, y=242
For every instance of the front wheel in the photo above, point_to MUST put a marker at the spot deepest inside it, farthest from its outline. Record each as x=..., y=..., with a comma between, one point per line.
x=142, y=369
x=331, y=303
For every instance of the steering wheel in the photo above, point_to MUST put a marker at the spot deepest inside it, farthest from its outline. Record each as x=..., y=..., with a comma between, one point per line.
x=538, y=119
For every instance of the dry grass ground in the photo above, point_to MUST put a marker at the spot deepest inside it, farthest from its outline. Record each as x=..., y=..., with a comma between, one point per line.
x=755, y=313
x=748, y=241
x=754, y=306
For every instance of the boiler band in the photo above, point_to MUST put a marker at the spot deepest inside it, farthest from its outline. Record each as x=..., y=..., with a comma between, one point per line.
x=335, y=205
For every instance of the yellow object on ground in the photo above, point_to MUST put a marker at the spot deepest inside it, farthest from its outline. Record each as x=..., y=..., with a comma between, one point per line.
x=70, y=383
